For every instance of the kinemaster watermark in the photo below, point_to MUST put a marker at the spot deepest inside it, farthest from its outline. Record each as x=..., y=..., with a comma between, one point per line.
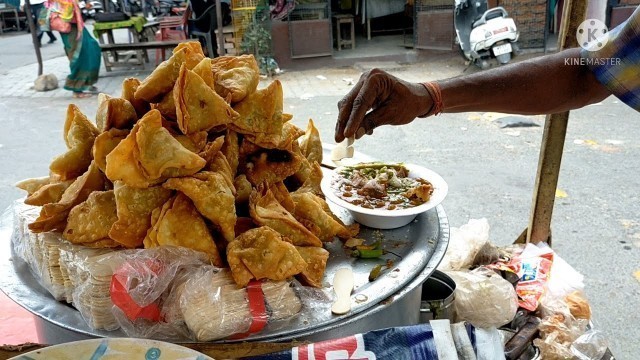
x=592, y=35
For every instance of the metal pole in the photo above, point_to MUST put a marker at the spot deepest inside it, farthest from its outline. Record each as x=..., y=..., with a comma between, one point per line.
x=34, y=35
x=220, y=36
x=553, y=138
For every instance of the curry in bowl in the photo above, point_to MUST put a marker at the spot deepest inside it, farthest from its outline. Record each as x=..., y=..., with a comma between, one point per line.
x=380, y=186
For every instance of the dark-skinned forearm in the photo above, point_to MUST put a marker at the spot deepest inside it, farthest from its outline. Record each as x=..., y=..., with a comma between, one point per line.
x=543, y=85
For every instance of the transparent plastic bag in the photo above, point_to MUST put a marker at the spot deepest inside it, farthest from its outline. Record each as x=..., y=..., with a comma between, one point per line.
x=591, y=345
x=464, y=244
x=483, y=298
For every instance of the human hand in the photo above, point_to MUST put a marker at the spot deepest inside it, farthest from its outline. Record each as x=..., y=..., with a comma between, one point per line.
x=393, y=102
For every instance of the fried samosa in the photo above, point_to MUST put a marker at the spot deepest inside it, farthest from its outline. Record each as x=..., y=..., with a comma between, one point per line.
x=167, y=106
x=212, y=196
x=265, y=210
x=122, y=165
x=50, y=193
x=316, y=259
x=311, y=144
x=261, y=253
x=104, y=145
x=310, y=208
x=34, y=184
x=198, y=107
x=261, y=113
x=203, y=69
x=235, y=77
x=134, y=207
x=160, y=154
x=90, y=221
x=79, y=134
x=53, y=217
x=178, y=223
x=162, y=79
x=281, y=194
x=129, y=87
x=243, y=189
x=290, y=133
x=195, y=142
x=312, y=180
x=115, y=113
x=231, y=150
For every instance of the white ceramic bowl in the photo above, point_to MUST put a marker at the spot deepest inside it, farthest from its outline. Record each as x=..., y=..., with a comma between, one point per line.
x=390, y=219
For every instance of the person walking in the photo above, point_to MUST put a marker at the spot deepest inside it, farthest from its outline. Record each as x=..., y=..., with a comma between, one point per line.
x=37, y=6
x=81, y=48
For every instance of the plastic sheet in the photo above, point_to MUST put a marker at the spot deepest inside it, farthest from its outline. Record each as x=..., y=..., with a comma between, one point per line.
x=465, y=243
x=483, y=298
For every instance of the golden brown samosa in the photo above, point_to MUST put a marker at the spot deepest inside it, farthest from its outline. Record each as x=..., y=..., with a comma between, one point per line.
x=115, y=113
x=50, y=193
x=311, y=144
x=261, y=253
x=212, y=196
x=203, y=69
x=281, y=194
x=231, y=150
x=104, y=144
x=310, y=208
x=290, y=133
x=134, y=207
x=34, y=184
x=162, y=79
x=167, y=106
x=90, y=221
x=129, y=87
x=265, y=210
x=316, y=259
x=178, y=223
x=122, y=165
x=312, y=181
x=160, y=154
x=198, y=107
x=261, y=113
x=243, y=189
x=53, y=217
x=79, y=134
x=195, y=142
x=235, y=77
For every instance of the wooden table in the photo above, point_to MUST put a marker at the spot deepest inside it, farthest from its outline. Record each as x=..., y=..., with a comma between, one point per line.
x=132, y=57
x=8, y=9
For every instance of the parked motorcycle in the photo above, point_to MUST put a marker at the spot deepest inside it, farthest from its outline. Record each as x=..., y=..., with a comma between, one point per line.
x=90, y=8
x=484, y=34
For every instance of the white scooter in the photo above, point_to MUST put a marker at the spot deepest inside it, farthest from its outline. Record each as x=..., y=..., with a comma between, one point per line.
x=484, y=33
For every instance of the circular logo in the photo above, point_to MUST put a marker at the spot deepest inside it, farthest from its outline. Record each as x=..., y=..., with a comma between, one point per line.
x=592, y=35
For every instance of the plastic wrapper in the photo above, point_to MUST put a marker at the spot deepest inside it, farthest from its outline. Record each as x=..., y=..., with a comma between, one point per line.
x=213, y=307
x=464, y=244
x=483, y=298
x=532, y=266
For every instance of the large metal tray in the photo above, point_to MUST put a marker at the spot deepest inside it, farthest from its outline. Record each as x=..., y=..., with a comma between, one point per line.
x=420, y=245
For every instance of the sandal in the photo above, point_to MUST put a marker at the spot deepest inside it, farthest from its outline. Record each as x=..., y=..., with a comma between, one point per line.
x=92, y=89
x=81, y=95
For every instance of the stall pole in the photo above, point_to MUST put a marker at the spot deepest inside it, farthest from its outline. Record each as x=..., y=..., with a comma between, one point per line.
x=220, y=36
x=34, y=35
x=555, y=129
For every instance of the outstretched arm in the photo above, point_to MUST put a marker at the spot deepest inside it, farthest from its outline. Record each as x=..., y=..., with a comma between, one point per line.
x=543, y=85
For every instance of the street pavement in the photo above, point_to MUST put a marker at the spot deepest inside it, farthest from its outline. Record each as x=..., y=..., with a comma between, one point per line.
x=490, y=170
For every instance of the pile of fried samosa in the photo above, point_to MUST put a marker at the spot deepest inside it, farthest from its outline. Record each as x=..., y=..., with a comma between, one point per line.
x=194, y=156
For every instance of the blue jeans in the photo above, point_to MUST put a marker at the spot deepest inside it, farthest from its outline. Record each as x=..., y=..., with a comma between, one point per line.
x=35, y=12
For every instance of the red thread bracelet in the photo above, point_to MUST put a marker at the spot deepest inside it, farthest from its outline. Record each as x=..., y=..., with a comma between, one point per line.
x=436, y=96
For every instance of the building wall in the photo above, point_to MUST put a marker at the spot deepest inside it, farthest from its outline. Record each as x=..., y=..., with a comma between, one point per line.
x=530, y=18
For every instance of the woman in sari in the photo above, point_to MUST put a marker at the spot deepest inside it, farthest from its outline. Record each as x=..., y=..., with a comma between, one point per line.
x=81, y=48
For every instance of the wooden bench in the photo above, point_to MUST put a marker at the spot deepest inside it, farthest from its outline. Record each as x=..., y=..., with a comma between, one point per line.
x=137, y=51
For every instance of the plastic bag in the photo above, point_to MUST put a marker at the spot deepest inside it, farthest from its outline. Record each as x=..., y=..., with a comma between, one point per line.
x=591, y=345
x=464, y=244
x=483, y=298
